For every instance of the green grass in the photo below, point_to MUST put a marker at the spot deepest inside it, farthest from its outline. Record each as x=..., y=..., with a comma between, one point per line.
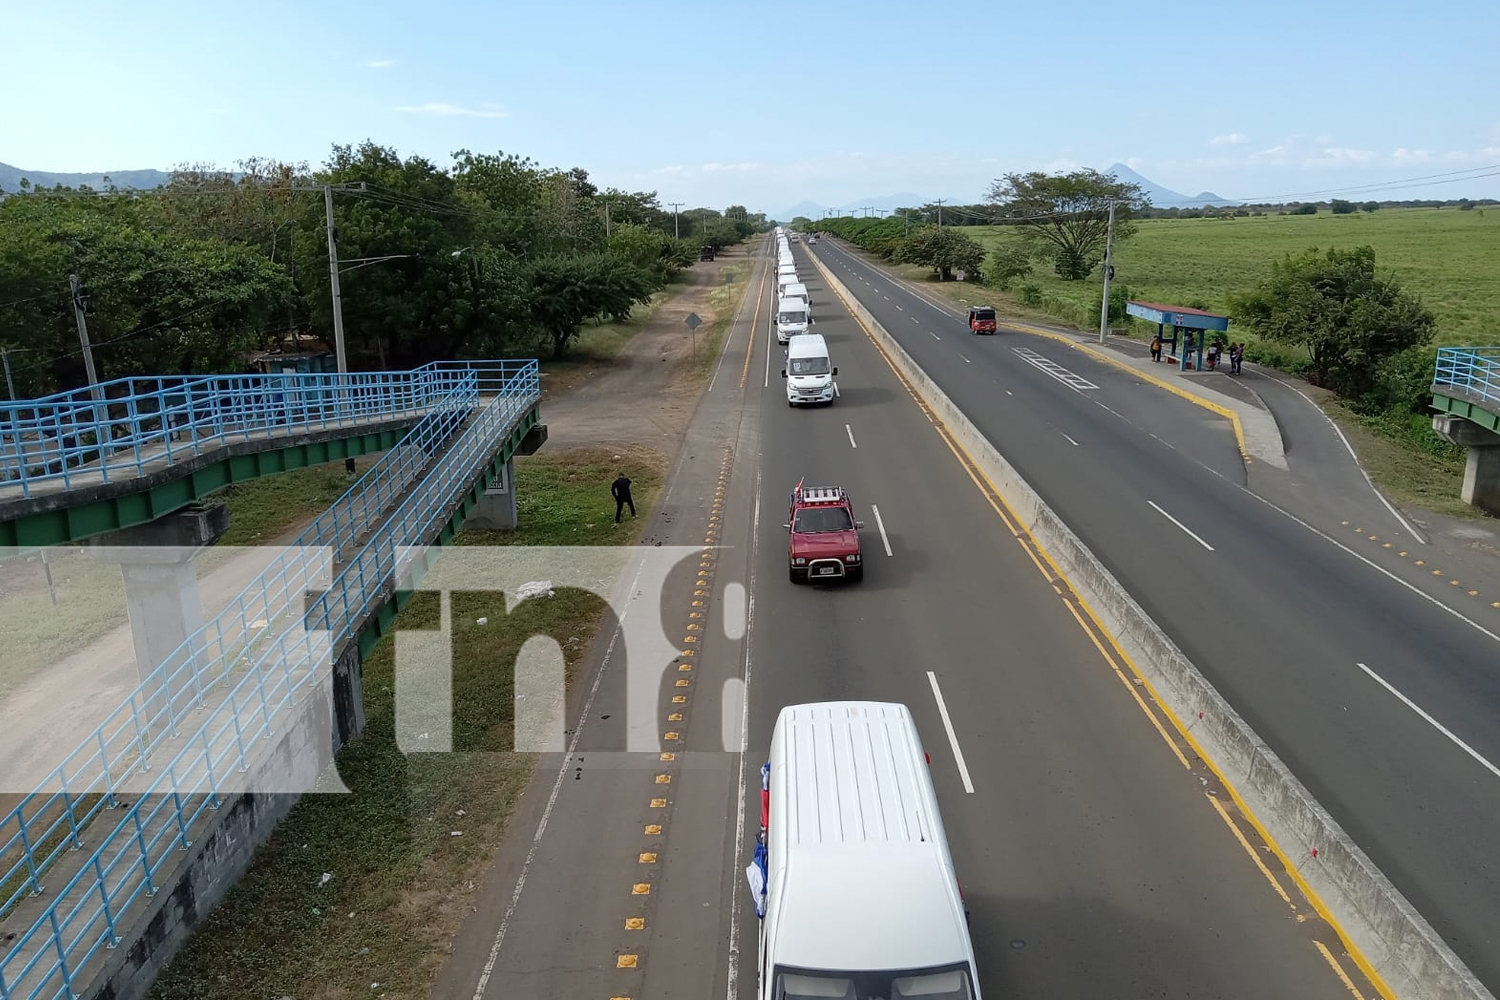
x=1399, y=460
x=90, y=595
x=402, y=884
x=1444, y=255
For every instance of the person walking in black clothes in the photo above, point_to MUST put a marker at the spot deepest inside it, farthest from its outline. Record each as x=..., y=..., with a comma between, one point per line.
x=620, y=490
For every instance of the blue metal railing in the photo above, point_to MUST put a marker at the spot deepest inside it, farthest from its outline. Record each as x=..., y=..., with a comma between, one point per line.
x=1475, y=370
x=73, y=438
x=271, y=660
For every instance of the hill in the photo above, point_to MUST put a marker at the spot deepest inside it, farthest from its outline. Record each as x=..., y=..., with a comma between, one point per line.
x=10, y=179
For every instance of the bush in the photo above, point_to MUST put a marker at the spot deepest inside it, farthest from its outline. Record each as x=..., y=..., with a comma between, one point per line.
x=1402, y=384
x=1342, y=207
x=1118, y=295
x=1415, y=430
x=1031, y=294
x=1305, y=210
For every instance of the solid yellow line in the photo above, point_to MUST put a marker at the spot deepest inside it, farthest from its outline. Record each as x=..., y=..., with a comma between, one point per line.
x=1194, y=398
x=1229, y=822
x=1322, y=910
x=760, y=297
x=1128, y=686
x=1338, y=969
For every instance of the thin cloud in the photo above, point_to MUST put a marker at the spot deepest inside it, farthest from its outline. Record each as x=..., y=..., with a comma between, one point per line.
x=381, y=63
x=445, y=110
x=721, y=167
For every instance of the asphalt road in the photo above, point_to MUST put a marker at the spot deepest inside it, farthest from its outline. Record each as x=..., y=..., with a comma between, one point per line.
x=1279, y=617
x=1093, y=863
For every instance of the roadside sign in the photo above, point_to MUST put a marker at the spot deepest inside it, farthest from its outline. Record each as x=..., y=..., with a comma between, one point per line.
x=692, y=321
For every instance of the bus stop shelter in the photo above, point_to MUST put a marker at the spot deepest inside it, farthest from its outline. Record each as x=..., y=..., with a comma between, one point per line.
x=1194, y=325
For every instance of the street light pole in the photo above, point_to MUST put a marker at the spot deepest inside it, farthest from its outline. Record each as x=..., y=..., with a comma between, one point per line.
x=88, y=348
x=333, y=280
x=676, y=229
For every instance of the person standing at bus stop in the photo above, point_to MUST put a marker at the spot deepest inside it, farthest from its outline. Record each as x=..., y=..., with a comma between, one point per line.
x=620, y=490
x=1156, y=348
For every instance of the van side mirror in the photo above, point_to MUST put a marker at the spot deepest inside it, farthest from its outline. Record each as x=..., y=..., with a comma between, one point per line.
x=835, y=369
x=859, y=524
x=787, y=526
x=783, y=373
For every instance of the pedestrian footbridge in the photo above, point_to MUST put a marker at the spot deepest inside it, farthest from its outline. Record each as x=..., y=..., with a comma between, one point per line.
x=1466, y=394
x=101, y=859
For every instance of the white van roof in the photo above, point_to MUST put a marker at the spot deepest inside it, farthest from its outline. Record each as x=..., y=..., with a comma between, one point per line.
x=809, y=345
x=792, y=303
x=859, y=860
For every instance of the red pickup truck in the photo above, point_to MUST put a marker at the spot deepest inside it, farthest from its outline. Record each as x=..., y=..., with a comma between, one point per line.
x=824, y=536
x=982, y=319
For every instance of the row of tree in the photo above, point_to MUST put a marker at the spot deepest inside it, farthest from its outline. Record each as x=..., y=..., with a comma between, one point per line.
x=492, y=256
x=1363, y=335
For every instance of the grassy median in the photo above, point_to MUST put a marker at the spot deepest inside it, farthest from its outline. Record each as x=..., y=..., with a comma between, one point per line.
x=408, y=849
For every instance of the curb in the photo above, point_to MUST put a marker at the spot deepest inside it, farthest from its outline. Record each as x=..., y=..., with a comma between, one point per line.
x=1387, y=938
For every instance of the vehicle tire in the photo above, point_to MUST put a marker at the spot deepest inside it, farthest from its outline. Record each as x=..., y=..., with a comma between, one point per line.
x=796, y=575
x=856, y=574
x=791, y=404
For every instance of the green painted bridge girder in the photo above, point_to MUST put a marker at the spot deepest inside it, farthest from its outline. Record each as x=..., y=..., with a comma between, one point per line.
x=68, y=524
x=1487, y=418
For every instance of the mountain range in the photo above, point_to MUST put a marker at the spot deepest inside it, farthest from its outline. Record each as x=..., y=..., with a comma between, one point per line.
x=1161, y=197
x=10, y=178
x=10, y=182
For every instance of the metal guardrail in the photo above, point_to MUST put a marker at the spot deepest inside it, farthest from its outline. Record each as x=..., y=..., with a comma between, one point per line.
x=1474, y=370
x=76, y=438
x=274, y=668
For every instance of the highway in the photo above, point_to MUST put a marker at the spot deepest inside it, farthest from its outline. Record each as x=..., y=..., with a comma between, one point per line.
x=1344, y=670
x=1093, y=863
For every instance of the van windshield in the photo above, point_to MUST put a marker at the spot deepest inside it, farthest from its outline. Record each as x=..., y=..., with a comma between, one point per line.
x=950, y=982
x=792, y=318
x=808, y=366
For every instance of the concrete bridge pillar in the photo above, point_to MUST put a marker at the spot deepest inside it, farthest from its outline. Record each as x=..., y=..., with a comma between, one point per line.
x=496, y=510
x=1482, y=469
x=161, y=588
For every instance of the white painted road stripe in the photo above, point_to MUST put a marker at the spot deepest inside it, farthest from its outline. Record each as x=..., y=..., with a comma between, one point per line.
x=966, y=360
x=933, y=335
x=1070, y=440
x=898, y=306
x=851, y=436
x=881, y=525
x=958, y=755
x=1431, y=721
x=1179, y=524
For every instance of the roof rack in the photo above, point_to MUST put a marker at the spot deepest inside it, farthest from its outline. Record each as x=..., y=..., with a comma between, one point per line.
x=820, y=494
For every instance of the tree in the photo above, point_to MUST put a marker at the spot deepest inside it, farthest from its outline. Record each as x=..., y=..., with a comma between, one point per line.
x=1334, y=305
x=1371, y=206
x=943, y=250
x=1066, y=216
x=1007, y=264
x=1341, y=207
x=1308, y=209
x=566, y=292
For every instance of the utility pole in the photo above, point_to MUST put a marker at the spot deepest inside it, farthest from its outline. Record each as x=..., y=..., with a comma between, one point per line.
x=79, y=305
x=606, y=220
x=906, y=223
x=676, y=230
x=940, y=213
x=1109, y=272
x=10, y=384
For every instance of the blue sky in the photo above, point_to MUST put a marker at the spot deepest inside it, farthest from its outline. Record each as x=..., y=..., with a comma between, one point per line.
x=772, y=103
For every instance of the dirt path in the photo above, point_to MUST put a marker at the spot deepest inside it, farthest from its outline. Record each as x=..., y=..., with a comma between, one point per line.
x=644, y=396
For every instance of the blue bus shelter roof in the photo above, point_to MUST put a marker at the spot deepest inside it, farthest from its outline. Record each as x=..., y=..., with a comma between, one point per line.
x=1183, y=316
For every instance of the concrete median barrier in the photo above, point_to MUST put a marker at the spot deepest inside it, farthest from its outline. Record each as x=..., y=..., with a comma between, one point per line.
x=1384, y=931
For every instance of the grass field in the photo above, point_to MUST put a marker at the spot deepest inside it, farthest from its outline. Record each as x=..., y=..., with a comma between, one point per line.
x=401, y=880
x=1448, y=257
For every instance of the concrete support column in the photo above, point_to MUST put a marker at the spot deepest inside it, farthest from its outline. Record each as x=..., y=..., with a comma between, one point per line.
x=1482, y=469
x=496, y=510
x=161, y=594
